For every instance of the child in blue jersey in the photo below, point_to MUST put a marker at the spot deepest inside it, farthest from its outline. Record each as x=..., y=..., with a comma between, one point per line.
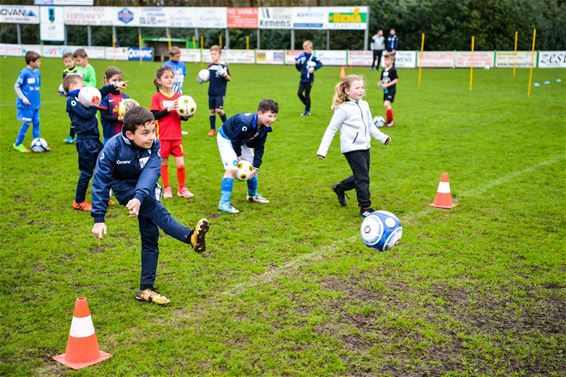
x=178, y=68
x=88, y=138
x=306, y=63
x=243, y=136
x=111, y=125
x=28, y=102
x=219, y=75
x=130, y=164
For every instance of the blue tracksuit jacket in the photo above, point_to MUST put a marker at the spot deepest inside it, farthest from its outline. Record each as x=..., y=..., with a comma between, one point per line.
x=243, y=129
x=83, y=118
x=305, y=61
x=130, y=171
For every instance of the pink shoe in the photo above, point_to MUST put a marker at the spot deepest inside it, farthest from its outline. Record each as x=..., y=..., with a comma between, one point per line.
x=167, y=194
x=184, y=192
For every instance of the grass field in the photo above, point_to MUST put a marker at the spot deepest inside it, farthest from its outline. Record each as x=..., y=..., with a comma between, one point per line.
x=288, y=288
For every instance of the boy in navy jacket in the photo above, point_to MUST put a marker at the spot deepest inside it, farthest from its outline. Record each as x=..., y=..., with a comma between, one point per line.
x=243, y=136
x=306, y=63
x=130, y=165
x=83, y=120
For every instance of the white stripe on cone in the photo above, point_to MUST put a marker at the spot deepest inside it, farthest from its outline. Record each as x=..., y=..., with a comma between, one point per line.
x=81, y=327
x=444, y=187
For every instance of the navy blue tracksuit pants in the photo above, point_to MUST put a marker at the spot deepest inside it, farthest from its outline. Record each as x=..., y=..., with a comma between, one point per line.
x=359, y=162
x=153, y=216
x=88, y=150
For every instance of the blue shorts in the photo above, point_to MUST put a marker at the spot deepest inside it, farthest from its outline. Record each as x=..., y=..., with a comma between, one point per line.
x=27, y=114
x=215, y=102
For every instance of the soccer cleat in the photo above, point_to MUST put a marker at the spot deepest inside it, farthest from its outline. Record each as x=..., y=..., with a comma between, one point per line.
x=184, y=192
x=20, y=148
x=82, y=206
x=390, y=124
x=152, y=295
x=227, y=207
x=197, y=238
x=341, y=196
x=110, y=202
x=167, y=193
x=257, y=199
x=306, y=114
x=365, y=212
x=69, y=140
x=212, y=133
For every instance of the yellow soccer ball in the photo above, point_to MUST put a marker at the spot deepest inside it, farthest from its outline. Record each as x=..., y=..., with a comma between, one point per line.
x=186, y=106
x=125, y=105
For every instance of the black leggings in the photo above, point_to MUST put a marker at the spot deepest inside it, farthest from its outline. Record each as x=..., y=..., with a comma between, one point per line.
x=377, y=56
x=306, y=98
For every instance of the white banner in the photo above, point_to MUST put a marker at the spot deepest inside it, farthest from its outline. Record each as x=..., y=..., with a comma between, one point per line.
x=506, y=59
x=275, y=18
x=97, y=16
x=56, y=51
x=124, y=16
x=404, y=59
x=36, y=48
x=63, y=2
x=331, y=57
x=333, y=18
x=190, y=55
x=360, y=58
x=444, y=59
x=11, y=50
x=19, y=14
x=482, y=59
x=239, y=56
x=309, y=18
x=270, y=57
x=118, y=53
x=552, y=59
x=51, y=27
x=290, y=56
x=95, y=52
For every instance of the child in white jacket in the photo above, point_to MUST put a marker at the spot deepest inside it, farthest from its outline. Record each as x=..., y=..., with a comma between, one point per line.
x=352, y=117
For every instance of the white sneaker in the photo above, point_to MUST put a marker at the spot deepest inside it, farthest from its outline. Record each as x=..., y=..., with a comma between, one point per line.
x=227, y=208
x=167, y=194
x=257, y=199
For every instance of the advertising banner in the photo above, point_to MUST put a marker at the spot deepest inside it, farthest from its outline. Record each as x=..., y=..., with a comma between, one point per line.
x=275, y=18
x=190, y=55
x=96, y=16
x=63, y=2
x=51, y=27
x=95, y=52
x=207, y=17
x=360, y=58
x=331, y=57
x=309, y=18
x=290, y=56
x=482, y=59
x=124, y=16
x=270, y=57
x=36, y=48
x=19, y=14
x=239, y=56
x=552, y=59
x=134, y=53
x=242, y=18
x=505, y=59
x=56, y=51
x=118, y=53
x=443, y=59
x=10, y=50
x=405, y=59
x=347, y=18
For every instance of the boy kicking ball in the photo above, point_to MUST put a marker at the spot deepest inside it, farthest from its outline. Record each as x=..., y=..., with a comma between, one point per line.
x=130, y=165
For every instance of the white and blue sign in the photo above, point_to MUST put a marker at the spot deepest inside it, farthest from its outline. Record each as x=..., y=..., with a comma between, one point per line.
x=146, y=53
x=125, y=16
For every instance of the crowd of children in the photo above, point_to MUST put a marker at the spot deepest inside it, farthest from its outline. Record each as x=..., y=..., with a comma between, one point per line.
x=137, y=145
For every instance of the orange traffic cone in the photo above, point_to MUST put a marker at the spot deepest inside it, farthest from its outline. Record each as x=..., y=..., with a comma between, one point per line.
x=82, y=346
x=342, y=73
x=443, y=198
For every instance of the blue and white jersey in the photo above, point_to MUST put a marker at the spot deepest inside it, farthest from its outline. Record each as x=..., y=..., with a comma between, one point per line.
x=130, y=171
x=392, y=43
x=304, y=62
x=29, y=81
x=180, y=71
x=217, y=82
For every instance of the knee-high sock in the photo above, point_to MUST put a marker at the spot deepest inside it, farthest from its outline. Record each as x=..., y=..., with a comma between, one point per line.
x=181, y=176
x=35, y=127
x=22, y=133
x=227, y=185
x=389, y=115
x=223, y=117
x=165, y=175
x=212, y=119
x=252, y=186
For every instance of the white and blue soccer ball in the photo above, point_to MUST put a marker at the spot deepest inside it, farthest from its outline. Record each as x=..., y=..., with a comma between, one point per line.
x=39, y=145
x=378, y=121
x=381, y=230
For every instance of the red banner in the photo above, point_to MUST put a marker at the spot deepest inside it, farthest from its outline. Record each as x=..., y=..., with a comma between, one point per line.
x=242, y=18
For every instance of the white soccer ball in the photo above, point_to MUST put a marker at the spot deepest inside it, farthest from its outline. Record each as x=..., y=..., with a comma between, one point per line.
x=203, y=76
x=61, y=91
x=125, y=105
x=381, y=230
x=39, y=145
x=186, y=106
x=378, y=121
x=89, y=96
x=245, y=170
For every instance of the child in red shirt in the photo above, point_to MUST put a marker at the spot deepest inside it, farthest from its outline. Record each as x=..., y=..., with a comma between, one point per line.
x=164, y=108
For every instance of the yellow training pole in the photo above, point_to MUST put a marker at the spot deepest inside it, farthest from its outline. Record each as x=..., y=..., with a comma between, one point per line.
x=220, y=40
x=169, y=41
x=194, y=42
x=140, y=44
x=472, y=66
x=515, y=55
x=201, y=48
x=532, y=60
x=247, y=42
x=421, y=60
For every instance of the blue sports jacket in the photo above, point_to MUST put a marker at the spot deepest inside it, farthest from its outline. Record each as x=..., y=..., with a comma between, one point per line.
x=130, y=171
x=83, y=118
x=305, y=61
x=242, y=129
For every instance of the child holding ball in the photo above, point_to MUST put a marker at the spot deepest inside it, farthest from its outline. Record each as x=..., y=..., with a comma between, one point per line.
x=352, y=117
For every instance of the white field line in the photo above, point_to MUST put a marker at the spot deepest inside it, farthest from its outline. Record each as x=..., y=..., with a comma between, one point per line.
x=275, y=272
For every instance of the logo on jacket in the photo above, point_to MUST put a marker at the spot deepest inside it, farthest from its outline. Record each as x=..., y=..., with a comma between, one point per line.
x=143, y=161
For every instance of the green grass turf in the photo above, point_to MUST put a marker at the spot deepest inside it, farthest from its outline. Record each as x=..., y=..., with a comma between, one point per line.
x=288, y=288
